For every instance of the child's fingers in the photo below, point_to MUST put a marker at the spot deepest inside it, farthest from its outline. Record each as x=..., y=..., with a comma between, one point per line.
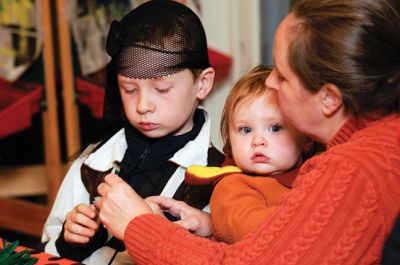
x=75, y=238
x=85, y=221
x=79, y=229
x=81, y=219
x=75, y=228
x=87, y=210
x=94, y=208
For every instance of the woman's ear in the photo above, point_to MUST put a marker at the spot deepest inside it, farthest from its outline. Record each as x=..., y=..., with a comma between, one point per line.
x=205, y=82
x=331, y=99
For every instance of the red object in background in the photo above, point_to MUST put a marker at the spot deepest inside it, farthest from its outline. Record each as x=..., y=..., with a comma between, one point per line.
x=92, y=95
x=43, y=257
x=222, y=64
x=18, y=102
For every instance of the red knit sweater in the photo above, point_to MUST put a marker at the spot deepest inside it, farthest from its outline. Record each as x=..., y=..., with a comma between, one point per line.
x=342, y=206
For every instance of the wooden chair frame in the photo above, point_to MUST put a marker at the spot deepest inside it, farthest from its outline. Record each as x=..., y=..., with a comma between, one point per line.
x=26, y=217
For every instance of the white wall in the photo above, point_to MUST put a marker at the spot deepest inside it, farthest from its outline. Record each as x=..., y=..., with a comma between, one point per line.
x=273, y=12
x=233, y=27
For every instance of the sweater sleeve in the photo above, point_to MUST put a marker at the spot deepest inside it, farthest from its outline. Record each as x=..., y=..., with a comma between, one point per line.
x=240, y=203
x=331, y=216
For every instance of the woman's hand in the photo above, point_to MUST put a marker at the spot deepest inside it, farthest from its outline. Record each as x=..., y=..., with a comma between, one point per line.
x=192, y=219
x=119, y=204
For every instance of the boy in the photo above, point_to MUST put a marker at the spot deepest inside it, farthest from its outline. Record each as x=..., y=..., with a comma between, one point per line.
x=158, y=74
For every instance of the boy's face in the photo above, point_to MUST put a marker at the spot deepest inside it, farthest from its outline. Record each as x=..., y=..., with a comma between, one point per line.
x=262, y=143
x=161, y=106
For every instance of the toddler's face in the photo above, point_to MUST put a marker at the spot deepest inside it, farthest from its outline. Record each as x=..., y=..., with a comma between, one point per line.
x=262, y=143
x=160, y=106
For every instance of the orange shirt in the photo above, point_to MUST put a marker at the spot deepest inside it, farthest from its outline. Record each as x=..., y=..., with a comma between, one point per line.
x=239, y=203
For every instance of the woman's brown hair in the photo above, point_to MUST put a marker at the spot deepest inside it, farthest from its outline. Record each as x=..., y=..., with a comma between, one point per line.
x=354, y=44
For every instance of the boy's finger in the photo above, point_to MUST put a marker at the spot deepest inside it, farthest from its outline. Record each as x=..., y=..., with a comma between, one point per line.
x=85, y=221
x=81, y=230
x=86, y=210
x=75, y=238
x=94, y=208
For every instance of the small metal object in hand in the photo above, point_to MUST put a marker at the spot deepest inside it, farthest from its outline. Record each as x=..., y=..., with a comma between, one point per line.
x=116, y=168
x=95, y=200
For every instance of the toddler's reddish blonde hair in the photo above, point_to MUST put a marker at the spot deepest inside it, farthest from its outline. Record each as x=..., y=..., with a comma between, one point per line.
x=250, y=86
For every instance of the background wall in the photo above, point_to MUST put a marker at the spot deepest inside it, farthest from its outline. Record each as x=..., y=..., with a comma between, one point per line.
x=244, y=30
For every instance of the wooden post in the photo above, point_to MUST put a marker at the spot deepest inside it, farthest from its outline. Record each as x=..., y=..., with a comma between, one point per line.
x=71, y=112
x=50, y=115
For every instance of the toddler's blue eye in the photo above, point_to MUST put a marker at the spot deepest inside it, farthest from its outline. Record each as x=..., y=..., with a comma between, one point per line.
x=275, y=128
x=245, y=130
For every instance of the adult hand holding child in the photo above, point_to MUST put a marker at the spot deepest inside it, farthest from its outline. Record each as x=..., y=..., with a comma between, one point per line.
x=120, y=204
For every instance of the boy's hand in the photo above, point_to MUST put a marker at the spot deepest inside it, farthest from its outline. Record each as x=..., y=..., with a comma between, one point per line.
x=81, y=224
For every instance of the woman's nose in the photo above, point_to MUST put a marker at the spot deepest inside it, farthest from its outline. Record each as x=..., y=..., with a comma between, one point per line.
x=271, y=80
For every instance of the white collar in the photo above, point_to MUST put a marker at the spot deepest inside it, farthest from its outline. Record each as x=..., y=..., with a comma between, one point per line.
x=194, y=152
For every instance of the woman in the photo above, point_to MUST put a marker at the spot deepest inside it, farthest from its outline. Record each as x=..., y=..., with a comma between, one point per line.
x=337, y=75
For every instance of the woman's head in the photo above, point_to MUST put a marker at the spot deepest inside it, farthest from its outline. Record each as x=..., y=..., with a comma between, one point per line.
x=354, y=44
x=334, y=59
x=254, y=130
x=157, y=39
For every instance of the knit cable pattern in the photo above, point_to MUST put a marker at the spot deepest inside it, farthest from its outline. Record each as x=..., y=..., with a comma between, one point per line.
x=340, y=211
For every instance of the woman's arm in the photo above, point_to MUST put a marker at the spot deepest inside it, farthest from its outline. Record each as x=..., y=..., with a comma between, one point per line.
x=330, y=217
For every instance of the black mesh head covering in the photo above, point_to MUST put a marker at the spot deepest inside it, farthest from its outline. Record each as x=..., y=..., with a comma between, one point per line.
x=158, y=38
